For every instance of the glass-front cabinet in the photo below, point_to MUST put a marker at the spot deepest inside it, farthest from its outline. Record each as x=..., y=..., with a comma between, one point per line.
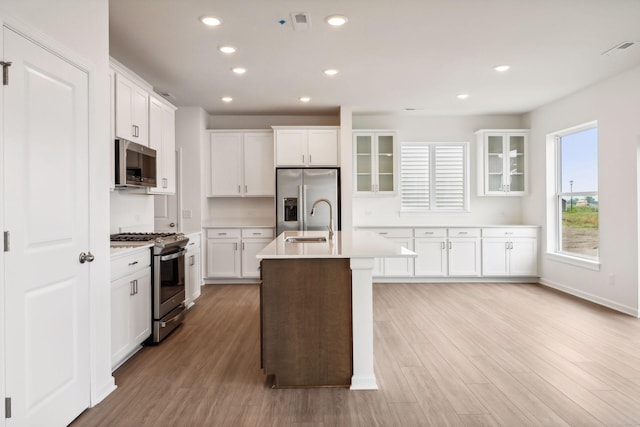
x=375, y=160
x=502, y=162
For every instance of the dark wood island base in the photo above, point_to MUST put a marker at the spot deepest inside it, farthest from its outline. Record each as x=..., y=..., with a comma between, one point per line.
x=306, y=322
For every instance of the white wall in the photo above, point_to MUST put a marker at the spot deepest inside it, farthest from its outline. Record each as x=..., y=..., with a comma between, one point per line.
x=131, y=212
x=484, y=210
x=190, y=127
x=615, y=104
x=66, y=26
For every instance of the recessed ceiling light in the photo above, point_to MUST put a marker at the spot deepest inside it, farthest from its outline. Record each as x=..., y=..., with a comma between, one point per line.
x=336, y=20
x=462, y=96
x=304, y=99
x=226, y=99
x=502, y=68
x=331, y=72
x=211, y=21
x=239, y=70
x=226, y=49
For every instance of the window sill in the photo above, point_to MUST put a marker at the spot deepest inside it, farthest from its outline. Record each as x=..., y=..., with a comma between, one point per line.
x=575, y=261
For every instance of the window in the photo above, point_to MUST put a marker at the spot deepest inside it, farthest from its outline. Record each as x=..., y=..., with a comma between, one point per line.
x=576, y=198
x=434, y=176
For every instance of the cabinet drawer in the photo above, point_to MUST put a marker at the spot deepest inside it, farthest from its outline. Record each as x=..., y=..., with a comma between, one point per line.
x=194, y=241
x=223, y=233
x=392, y=232
x=464, y=232
x=510, y=232
x=122, y=266
x=248, y=233
x=430, y=232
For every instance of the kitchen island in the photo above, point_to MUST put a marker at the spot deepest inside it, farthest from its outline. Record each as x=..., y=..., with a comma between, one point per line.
x=294, y=266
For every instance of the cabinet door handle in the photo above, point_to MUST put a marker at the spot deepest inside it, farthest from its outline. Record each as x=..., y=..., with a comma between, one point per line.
x=192, y=260
x=133, y=130
x=165, y=183
x=235, y=246
x=136, y=286
x=238, y=189
x=383, y=232
x=222, y=234
x=243, y=246
x=310, y=161
x=133, y=263
x=442, y=246
x=303, y=159
x=449, y=245
x=131, y=290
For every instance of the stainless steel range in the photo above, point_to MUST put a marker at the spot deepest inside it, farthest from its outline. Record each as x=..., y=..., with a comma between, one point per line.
x=168, y=282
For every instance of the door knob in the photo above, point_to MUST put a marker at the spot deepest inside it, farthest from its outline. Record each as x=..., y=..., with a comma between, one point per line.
x=86, y=257
x=172, y=224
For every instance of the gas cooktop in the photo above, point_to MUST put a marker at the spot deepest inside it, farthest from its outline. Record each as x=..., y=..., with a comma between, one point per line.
x=142, y=239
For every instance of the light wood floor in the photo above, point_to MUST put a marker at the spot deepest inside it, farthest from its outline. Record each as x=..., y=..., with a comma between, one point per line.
x=446, y=354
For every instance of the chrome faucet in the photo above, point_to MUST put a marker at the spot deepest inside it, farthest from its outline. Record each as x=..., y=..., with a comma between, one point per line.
x=313, y=211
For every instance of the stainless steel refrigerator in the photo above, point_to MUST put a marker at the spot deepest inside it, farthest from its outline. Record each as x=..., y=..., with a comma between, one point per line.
x=298, y=189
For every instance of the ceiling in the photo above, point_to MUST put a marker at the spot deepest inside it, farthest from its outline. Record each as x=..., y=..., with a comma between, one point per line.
x=391, y=55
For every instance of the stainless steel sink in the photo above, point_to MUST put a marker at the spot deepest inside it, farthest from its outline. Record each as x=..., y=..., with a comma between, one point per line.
x=305, y=239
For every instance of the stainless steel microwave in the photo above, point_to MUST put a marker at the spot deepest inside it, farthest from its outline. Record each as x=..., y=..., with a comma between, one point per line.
x=135, y=165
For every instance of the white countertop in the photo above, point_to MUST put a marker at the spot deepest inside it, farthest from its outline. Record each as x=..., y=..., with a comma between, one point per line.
x=345, y=244
x=445, y=226
x=239, y=223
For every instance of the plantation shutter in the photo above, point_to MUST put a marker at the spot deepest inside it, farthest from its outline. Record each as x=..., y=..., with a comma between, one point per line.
x=449, y=177
x=414, y=176
x=433, y=176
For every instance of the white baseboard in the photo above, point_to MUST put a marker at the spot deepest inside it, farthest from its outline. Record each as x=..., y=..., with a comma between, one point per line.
x=631, y=311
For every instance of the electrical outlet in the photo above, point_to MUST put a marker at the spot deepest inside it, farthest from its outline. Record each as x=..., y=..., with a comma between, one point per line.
x=612, y=279
x=187, y=213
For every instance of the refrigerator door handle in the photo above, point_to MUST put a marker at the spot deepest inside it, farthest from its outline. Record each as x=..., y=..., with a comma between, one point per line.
x=301, y=207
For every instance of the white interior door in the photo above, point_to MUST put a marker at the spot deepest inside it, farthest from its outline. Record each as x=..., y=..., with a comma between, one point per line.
x=46, y=208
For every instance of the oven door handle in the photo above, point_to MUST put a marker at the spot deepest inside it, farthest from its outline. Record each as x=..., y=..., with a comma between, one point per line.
x=173, y=256
x=177, y=318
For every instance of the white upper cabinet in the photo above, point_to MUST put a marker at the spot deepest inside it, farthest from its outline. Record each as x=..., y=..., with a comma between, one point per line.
x=242, y=164
x=132, y=110
x=306, y=147
x=162, y=138
x=259, y=177
x=502, y=156
x=374, y=162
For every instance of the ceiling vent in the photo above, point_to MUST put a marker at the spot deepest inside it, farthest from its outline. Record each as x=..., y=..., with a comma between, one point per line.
x=620, y=48
x=301, y=21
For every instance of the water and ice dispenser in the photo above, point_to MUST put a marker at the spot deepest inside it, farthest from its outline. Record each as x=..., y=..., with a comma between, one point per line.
x=290, y=209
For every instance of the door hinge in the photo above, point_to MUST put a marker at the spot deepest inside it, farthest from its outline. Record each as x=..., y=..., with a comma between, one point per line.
x=5, y=72
x=7, y=240
x=7, y=407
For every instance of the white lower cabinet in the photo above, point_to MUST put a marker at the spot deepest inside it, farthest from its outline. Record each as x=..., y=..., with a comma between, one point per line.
x=231, y=252
x=130, y=304
x=461, y=252
x=509, y=252
x=395, y=267
x=464, y=252
x=447, y=252
x=431, y=245
x=192, y=270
